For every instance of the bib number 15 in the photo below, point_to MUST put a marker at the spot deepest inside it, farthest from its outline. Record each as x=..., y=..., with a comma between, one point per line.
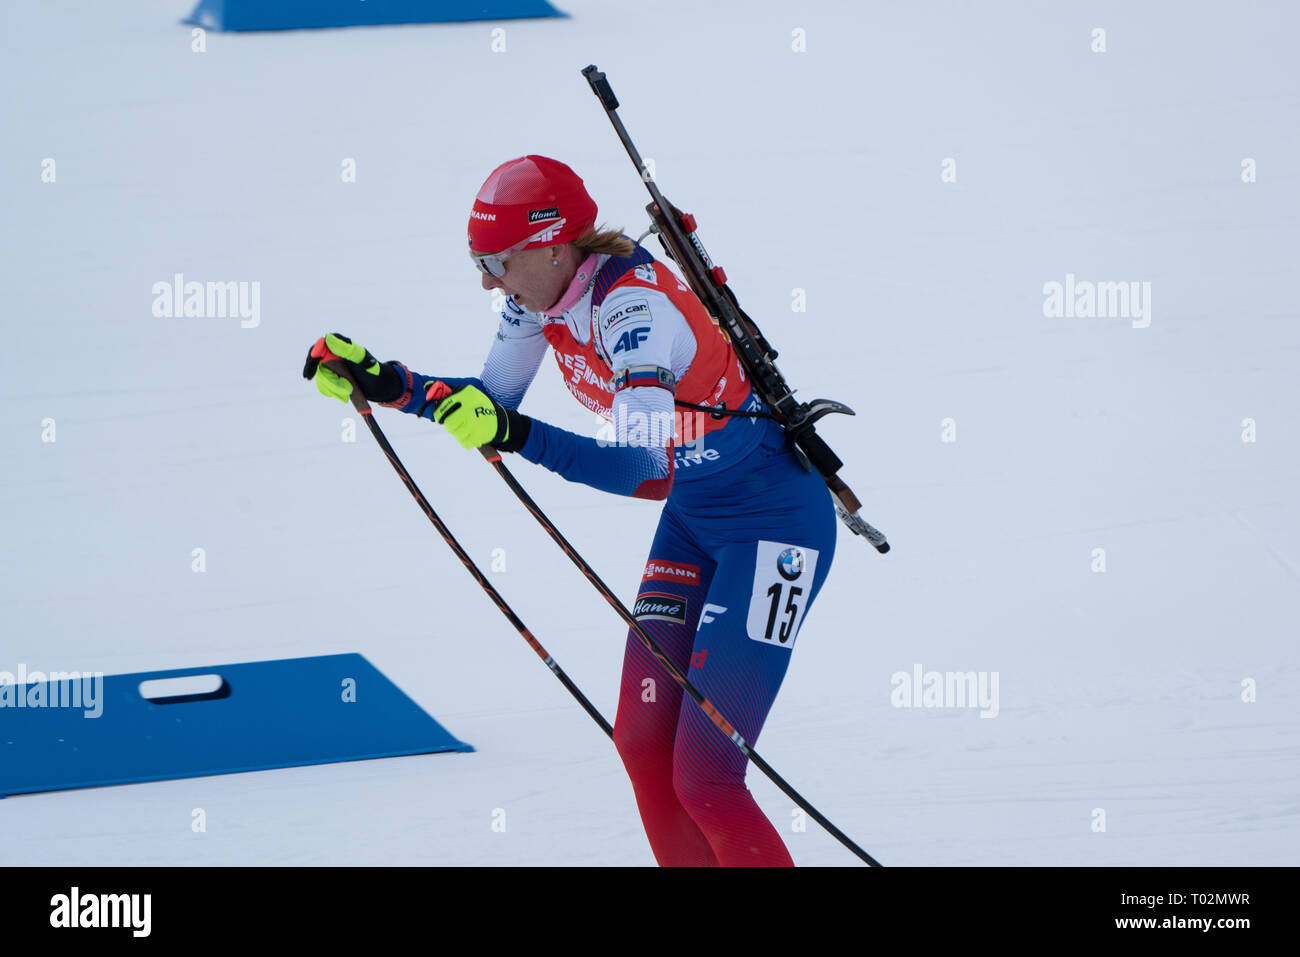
x=786, y=630
x=783, y=577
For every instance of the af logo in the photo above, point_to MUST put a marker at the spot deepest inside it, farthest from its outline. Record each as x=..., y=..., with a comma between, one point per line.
x=631, y=339
x=646, y=273
x=790, y=564
x=546, y=235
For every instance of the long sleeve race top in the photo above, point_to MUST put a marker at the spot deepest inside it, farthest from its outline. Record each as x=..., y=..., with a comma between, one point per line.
x=635, y=342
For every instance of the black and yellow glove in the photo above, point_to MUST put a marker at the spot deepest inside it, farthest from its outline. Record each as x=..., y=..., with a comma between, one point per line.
x=474, y=418
x=379, y=382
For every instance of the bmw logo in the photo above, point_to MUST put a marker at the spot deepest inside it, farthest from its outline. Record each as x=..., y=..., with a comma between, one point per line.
x=790, y=564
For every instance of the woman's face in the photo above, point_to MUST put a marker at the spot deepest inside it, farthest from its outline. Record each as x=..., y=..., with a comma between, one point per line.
x=532, y=279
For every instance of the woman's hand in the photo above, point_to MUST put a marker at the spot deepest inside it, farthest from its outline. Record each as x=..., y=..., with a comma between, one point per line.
x=474, y=418
x=379, y=382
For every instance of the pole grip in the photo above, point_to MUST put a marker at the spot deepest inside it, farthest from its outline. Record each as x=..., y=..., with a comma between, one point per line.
x=358, y=397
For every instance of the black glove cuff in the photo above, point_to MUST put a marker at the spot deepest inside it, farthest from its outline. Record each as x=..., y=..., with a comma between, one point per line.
x=387, y=386
x=392, y=386
x=517, y=432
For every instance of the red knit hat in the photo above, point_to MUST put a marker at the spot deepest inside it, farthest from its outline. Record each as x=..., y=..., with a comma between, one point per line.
x=521, y=197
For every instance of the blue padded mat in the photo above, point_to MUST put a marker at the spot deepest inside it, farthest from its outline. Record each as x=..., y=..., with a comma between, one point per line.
x=266, y=714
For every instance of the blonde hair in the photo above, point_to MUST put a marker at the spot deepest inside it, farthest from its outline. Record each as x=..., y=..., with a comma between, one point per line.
x=605, y=240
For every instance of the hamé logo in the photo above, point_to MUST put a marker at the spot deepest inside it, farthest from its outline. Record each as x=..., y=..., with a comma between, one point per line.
x=660, y=607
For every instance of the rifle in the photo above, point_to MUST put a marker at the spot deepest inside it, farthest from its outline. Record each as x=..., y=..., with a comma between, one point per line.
x=678, y=234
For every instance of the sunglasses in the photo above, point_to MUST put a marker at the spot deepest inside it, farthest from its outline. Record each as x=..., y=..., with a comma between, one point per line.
x=494, y=264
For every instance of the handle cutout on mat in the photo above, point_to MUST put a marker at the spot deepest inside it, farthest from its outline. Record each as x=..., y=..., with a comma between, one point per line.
x=185, y=688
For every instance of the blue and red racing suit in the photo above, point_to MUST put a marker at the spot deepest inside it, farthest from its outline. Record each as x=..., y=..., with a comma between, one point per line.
x=743, y=546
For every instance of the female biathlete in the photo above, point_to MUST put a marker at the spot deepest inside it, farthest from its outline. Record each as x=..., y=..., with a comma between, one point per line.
x=746, y=536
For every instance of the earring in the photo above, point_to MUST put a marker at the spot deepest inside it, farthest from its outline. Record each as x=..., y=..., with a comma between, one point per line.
x=555, y=262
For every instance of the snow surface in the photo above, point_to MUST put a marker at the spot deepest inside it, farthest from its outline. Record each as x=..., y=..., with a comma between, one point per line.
x=820, y=171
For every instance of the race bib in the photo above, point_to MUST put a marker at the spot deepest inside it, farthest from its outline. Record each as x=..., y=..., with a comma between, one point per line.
x=783, y=577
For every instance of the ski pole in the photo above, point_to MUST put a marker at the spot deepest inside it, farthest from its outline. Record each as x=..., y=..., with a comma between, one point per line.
x=362, y=406
x=494, y=458
x=723, y=725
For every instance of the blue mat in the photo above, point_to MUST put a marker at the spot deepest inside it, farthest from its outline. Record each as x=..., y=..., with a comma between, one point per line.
x=262, y=714
x=232, y=15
